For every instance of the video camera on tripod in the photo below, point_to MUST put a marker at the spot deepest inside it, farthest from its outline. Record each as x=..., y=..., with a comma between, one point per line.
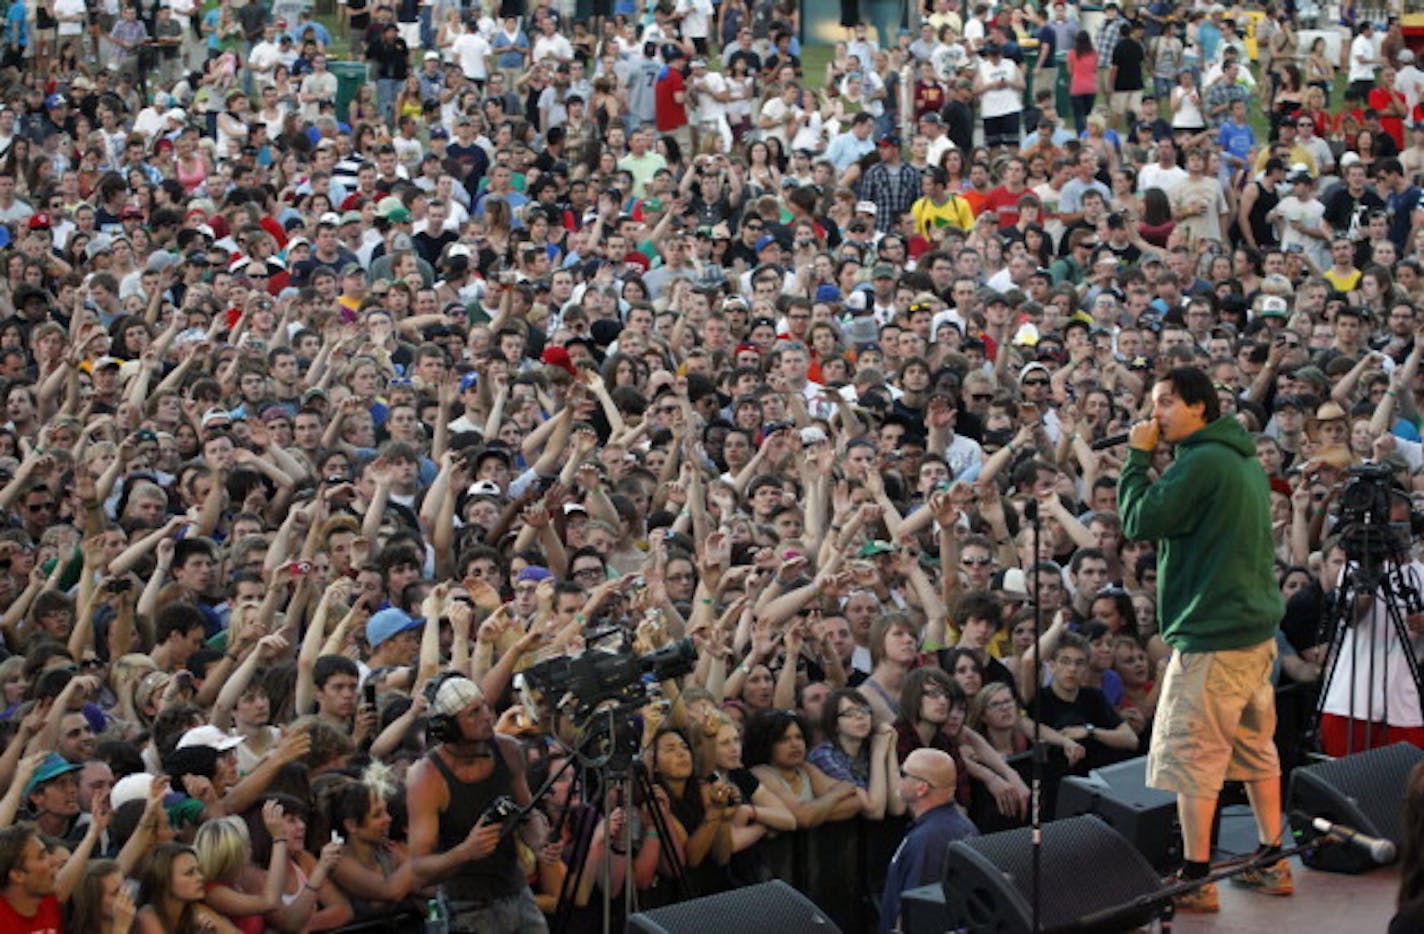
x=579, y=685
x=1367, y=533
x=1365, y=623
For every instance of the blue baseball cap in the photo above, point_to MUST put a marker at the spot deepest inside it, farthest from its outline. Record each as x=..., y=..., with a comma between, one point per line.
x=469, y=379
x=764, y=241
x=534, y=573
x=389, y=622
x=51, y=768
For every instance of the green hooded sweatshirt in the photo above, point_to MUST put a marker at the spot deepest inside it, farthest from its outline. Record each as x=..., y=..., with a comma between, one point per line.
x=1210, y=513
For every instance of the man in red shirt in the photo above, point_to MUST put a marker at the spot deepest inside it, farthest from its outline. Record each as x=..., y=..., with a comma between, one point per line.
x=1004, y=200
x=28, y=903
x=1391, y=106
x=670, y=100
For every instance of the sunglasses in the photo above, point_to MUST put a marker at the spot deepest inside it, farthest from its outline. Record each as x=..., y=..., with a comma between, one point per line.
x=1035, y=382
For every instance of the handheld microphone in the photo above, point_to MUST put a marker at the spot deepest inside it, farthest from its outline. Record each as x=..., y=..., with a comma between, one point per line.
x=1111, y=441
x=1381, y=851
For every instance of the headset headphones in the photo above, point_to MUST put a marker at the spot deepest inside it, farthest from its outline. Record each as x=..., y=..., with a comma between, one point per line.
x=440, y=727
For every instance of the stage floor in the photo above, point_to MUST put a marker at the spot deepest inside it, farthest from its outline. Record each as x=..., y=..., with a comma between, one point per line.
x=1323, y=901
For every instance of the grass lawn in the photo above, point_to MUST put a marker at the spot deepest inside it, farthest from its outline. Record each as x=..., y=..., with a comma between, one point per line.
x=813, y=65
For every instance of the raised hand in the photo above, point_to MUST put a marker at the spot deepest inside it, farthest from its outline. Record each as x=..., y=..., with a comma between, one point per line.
x=124, y=910
x=274, y=819
x=331, y=854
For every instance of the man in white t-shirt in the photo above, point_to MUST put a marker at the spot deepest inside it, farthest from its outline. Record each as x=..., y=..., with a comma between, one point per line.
x=317, y=87
x=265, y=56
x=1364, y=62
x=71, y=15
x=710, y=96
x=552, y=44
x=932, y=128
x=1164, y=173
x=1301, y=219
x=779, y=115
x=696, y=17
x=1409, y=81
x=1371, y=698
x=472, y=50
x=999, y=87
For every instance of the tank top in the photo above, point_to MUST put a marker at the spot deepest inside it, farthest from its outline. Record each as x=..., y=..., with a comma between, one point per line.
x=190, y=179
x=301, y=880
x=804, y=793
x=1266, y=201
x=247, y=924
x=497, y=875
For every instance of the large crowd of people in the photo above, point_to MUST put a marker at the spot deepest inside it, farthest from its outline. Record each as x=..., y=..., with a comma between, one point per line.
x=359, y=373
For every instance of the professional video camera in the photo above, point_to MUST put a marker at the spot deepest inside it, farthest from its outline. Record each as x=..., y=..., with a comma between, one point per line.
x=589, y=680
x=1367, y=533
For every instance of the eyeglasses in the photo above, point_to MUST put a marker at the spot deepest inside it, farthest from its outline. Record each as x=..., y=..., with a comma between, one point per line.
x=935, y=693
x=855, y=712
x=591, y=573
x=918, y=778
x=982, y=396
x=1035, y=382
x=976, y=562
x=40, y=507
x=1005, y=704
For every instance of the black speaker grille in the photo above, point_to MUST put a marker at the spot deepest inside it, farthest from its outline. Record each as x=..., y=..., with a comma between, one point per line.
x=1363, y=791
x=768, y=908
x=1086, y=867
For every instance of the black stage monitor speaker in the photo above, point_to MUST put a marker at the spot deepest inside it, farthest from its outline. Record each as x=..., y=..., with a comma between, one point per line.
x=1089, y=870
x=1363, y=791
x=922, y=911
x=769, y=908
x=1119, y=795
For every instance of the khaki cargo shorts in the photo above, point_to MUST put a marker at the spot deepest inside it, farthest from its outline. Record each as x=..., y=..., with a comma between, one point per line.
x=1216, y=721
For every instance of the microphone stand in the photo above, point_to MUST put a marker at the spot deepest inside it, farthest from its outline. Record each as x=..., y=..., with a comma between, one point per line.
x=1102, y=919
x=1039, y=754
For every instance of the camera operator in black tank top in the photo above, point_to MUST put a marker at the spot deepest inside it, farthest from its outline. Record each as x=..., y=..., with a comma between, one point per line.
x=448, y=792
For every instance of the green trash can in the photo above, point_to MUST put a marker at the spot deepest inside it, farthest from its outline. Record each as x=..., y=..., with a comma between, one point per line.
x=349, y=78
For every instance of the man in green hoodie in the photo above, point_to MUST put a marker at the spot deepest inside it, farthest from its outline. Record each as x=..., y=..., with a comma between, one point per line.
x=1219, y=605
